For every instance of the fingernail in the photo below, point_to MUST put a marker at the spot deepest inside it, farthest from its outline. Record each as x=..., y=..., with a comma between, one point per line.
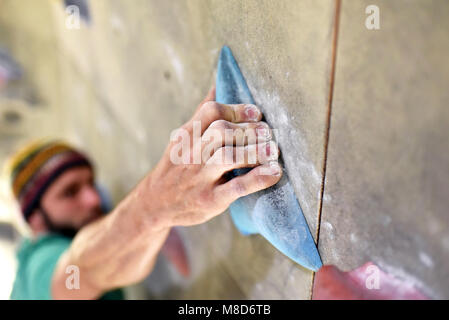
x=252, y=112
x=263, y=131
x=275, y=169
x=271, y=150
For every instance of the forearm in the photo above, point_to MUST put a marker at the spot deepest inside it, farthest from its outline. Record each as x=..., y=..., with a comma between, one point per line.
x=117, y=250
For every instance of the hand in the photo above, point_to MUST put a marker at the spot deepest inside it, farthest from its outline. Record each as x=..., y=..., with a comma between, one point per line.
x=189, y=185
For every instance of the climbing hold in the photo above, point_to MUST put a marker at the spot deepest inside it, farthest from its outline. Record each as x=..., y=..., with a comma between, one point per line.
x=368, y=282
x=173, y=249
x=275, y=212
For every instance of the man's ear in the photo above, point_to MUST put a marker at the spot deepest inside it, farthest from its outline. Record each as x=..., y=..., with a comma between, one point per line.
x=36, y=222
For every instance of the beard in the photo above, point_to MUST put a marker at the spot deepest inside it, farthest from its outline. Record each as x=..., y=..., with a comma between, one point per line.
x=66, y=230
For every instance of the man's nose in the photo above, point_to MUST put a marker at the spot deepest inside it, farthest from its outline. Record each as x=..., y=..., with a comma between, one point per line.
x=90, y=197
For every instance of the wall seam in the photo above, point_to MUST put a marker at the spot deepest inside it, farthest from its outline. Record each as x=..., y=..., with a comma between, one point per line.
x=328, y=121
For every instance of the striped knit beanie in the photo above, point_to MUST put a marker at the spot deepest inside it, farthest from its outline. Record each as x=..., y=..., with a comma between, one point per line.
x=36, y=166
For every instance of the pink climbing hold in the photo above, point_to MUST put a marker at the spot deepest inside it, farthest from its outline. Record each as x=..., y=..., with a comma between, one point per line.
x=368, y=282
x=175, y=253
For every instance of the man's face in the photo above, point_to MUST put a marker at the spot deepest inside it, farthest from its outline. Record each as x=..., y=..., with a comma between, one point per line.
x=72, y=199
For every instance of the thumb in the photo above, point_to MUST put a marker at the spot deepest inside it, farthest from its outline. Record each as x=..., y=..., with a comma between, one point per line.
x=209, y=97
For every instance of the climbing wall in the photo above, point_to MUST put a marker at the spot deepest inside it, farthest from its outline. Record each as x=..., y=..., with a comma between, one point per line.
x=360, y=116
x=387, y=178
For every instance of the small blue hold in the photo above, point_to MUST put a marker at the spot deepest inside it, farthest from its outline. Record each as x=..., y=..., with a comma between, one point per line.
x=275, y=212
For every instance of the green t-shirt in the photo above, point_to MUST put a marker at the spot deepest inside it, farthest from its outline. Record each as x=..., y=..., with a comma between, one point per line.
x=37, y=260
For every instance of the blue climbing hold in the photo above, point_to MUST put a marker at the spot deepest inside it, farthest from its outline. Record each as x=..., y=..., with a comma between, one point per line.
x=275, y=212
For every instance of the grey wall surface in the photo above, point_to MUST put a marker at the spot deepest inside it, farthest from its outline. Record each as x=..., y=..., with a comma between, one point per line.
x=121, y=84
x=387, y=174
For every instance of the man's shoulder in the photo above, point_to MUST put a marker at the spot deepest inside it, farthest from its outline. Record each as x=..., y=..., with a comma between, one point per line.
x=43, y=246
x=37, y=259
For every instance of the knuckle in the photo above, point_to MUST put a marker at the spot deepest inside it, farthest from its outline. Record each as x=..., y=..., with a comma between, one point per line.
x=187, y=127
x=217, y=157
x=220, y=125
x=223, y=156
x=228, y=150
x=264, y=181
x=208, y=104
x=219, y=151
x=224, y=150
x=205, y=200
x=212, y=109
x=238, y=187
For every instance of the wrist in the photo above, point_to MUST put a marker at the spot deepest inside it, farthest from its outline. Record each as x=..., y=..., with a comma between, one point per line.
x=146, y=208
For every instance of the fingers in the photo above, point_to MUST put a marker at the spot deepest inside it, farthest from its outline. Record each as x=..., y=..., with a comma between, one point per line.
x=228, y=158
x=257, y=179
x=222, y=132
x=211, y=111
